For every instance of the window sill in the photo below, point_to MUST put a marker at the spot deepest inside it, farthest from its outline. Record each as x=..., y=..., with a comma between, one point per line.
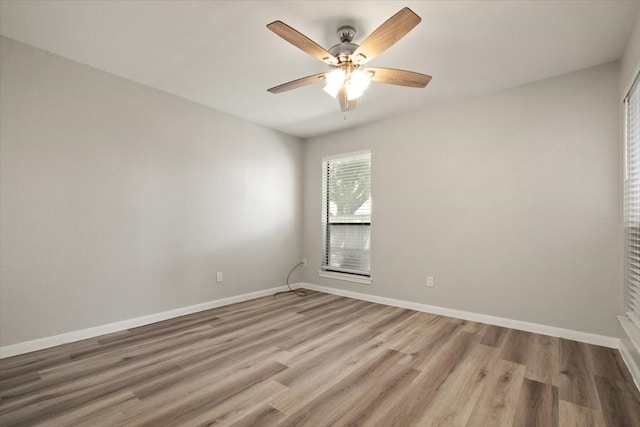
x=344, y=276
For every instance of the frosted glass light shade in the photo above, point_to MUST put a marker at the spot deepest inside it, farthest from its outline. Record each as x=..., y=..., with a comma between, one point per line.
x=358, y=82
x=335, y=80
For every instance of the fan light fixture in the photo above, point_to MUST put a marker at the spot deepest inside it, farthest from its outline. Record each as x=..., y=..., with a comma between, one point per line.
x=354, y=83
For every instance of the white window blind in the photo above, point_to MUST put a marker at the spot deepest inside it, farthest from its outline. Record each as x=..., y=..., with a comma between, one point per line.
x=346, y=214
x=632, y=202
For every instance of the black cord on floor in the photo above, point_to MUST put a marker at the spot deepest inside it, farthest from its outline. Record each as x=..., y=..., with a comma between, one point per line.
x=298, y=292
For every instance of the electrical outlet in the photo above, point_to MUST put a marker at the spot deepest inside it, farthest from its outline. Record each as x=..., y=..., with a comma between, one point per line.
x=430, y=281
x=304, y=261
x=219, y=277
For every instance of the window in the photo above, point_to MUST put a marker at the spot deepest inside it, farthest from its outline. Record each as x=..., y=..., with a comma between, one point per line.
x=632, y=202
x=346, y=216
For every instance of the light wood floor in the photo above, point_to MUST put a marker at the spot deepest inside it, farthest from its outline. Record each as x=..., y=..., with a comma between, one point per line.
x=317, y=361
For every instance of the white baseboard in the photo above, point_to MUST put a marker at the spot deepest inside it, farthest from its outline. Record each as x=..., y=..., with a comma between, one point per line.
x=585, y=337
x=41, y=343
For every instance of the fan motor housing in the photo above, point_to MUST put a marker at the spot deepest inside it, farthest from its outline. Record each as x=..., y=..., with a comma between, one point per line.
x=345, y=48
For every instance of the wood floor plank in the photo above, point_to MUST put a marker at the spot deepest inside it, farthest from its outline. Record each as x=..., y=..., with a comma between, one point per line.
x=240, y=406
x=110, y=357
x=538, y=405
x=328, y=408
x=216, y=368
x=425, y=387
x=9, y=374
x=606, y=362
x=439, y=339
x=573, y=415
x=184, y=408
x=455, y=400
x=576, y=383
x=324, y=305
x=313, y=384
x=47, y=355
x=494, y=336
x=341, y=319
x=30, y=379
x=418, y=337
x=264, y=416
x=517, y=347
x=543, y=363
x=399, y=329
x=323, y=358
x=620, y=405
x=395, y=316
x=377, y=391
x=87, y=369
x=473, y=327
x=96, y=412
x=314, y=361
x=497, y=405
x=71, y=396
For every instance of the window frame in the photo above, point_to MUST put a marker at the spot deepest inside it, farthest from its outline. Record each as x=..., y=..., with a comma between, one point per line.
x=327, y=271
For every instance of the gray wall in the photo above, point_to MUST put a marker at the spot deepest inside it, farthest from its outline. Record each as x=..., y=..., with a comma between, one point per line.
x=511, y=201
x=118, y=200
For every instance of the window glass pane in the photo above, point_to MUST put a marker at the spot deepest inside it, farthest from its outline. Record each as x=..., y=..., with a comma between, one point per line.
x=350, y=189
x=349, y=247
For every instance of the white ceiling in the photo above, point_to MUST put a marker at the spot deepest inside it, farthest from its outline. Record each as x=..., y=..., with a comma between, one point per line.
x=220, y=54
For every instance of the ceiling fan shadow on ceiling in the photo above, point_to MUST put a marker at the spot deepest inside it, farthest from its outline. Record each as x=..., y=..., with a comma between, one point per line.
x=348, y=77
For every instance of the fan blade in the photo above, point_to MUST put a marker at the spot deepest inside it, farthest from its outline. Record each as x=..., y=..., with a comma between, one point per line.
x=345, y=104
x=398, y=77
x=301, y=41
x=386, y=35
x=298, y=83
